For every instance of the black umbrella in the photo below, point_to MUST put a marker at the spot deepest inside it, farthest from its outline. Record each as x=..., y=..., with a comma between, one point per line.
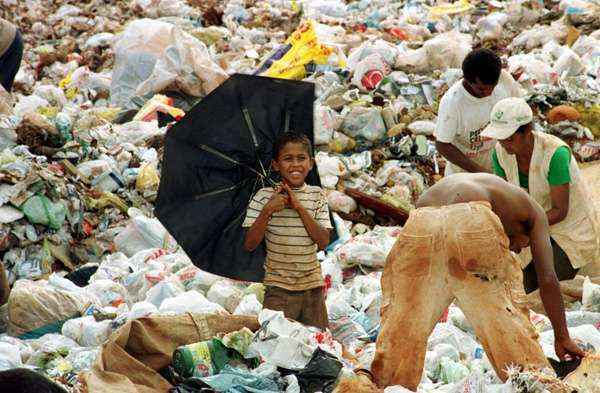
x=217, y=157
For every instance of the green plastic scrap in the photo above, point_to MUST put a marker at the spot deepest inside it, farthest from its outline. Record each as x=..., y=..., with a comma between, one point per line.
x=40, y=210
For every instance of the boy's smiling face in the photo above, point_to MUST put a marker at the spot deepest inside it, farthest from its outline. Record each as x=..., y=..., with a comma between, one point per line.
x=293, y=163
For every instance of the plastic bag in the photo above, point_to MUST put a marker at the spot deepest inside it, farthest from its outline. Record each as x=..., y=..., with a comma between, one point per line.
x=300, y=50
x=142, y=309
x=164, y=290
x=285, y=343
x=446, y=50
x=225, y=294
x=37, y=308
x=191, y=301
x=422, y=127
x=151, y=55
x=40, y=210
x=249, y=305
x=364, y=122
x=86, y=331
x=330, y=169
x=141, y=234
x=369, y=72
x=386, y=51
x=158, y=103
x=340, y=202
x=108, y=293
x=148, y=178
x=10, y=356
x=591, y=296
x=569, y=64
x=327, y=121
x=193, y=278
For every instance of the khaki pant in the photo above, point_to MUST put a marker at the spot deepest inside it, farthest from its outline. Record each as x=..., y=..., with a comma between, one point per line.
x=307, y=307
x=458, y=252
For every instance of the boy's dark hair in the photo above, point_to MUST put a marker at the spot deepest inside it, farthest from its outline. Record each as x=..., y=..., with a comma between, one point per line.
x=291, y=137
x=483, y=64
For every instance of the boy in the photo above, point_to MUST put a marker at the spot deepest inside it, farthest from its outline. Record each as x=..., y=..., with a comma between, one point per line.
x=294, y=220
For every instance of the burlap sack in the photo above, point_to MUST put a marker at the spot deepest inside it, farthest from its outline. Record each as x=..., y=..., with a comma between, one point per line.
x=129, y=361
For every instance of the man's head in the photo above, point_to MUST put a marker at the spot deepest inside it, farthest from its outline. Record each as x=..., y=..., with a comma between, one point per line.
x=292, y=158
x=510, y=123
x=481, y=71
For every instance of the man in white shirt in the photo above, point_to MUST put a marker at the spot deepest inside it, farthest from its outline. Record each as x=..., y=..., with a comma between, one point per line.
x=465, y=111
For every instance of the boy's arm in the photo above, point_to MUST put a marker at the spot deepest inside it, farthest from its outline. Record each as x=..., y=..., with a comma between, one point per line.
x=256, y=233
x=316, y=232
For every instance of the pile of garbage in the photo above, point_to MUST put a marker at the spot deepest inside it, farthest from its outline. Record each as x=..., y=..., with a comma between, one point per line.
x=81, y=141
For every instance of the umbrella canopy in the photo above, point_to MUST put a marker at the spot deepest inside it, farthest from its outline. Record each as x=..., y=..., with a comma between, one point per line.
x=217, y=157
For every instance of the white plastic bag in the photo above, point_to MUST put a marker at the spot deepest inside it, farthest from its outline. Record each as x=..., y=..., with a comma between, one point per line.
x=569, y=64
x=330, y=169
x=193, y=278
x=108, y=293
x=364, y=122
x=86, y=331
x=142, y=233
x=164, y=290
x=142, y=309
x=151, y=55
x=249, y=305
x=422, y=127
x=591, y=296
x=191, y=301
x=340, y=202
x=10, y=356
x=327, y=121
x=225, y=294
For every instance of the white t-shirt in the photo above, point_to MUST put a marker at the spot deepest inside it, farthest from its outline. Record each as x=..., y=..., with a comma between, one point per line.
x=462, y=117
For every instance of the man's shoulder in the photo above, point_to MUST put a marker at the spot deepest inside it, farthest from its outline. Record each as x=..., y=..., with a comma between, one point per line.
x=453, y=96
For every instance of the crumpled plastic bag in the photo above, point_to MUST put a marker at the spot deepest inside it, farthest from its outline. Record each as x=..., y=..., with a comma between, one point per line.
x=285, y=343
x=40, y=210
x=148, y=178
x=151, y=56
x=591, y=296
x=386, y=51
x=141, y=234
x=86, y=331
x=327, y=121
x=363, y=122
x=226, y=294
x=142, y=309
x=446, y=50
x=249, y=305
x=330, y=169
x=340, y=202
x=370, y=71
x=10, y=356
x=191, y=301
x=35, y=304
x=164, y=290
x=108, y=292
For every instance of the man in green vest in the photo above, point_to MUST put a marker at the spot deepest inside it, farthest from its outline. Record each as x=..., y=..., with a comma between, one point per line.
x=544, y=166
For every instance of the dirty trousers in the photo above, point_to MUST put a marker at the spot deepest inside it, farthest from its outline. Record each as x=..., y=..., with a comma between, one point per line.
x=452, y=253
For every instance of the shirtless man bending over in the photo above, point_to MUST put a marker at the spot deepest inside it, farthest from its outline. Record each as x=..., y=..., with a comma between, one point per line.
x=456, y=247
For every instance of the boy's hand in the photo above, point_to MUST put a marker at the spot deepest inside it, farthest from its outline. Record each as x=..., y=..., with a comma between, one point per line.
x=291, y=197
x=277, y=202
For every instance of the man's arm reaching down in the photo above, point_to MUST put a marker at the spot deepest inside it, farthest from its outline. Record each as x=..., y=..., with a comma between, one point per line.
x=548, y=282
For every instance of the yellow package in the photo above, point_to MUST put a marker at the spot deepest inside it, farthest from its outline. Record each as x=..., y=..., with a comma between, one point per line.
x=147, y=178
x=452, y=8
x=304, y=49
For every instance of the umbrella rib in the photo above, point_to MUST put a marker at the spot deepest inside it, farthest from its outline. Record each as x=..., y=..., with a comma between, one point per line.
x=217, y=192
x=217, y=153
x=252, y=131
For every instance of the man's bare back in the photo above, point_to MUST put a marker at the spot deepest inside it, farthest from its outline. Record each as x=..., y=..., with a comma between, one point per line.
x=525, y=224
x=511, y=204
